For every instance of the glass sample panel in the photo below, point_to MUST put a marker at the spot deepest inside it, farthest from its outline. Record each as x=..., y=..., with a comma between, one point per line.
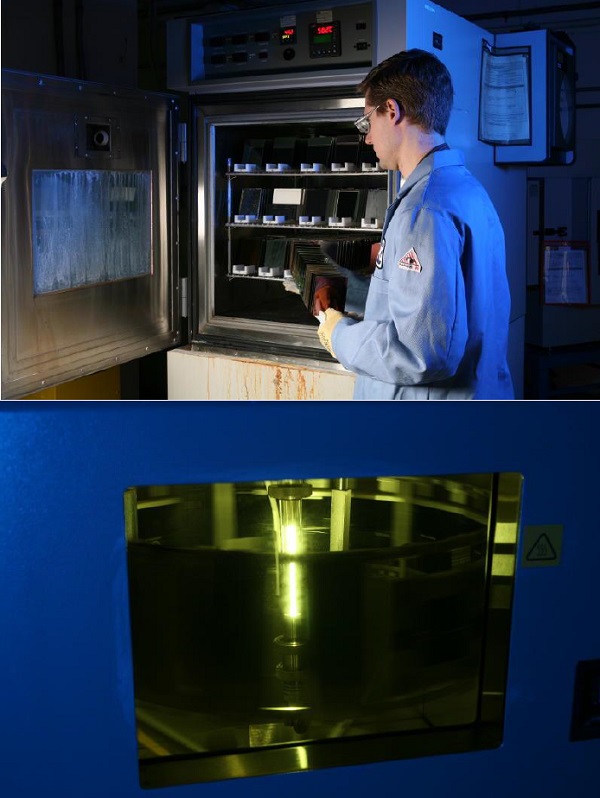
x=268, y=615
x=89, y=227
x=267, y=192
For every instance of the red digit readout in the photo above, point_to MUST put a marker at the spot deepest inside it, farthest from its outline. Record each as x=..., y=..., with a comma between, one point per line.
x=324, y=29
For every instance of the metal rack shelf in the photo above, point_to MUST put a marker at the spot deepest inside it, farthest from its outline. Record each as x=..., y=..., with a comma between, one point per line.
x=305, y=227
x=296, y=173
x=293, y=227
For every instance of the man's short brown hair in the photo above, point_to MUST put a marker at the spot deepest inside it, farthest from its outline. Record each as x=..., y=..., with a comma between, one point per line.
x=420, y=84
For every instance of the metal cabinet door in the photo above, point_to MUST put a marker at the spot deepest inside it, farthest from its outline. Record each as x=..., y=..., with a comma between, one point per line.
x=89, y=210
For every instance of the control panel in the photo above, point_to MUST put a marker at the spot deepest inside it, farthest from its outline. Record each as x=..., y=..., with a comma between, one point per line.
x=280, y=40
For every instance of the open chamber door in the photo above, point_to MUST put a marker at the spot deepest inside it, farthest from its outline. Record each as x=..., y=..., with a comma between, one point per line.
x=289, y=625
x=89, y=277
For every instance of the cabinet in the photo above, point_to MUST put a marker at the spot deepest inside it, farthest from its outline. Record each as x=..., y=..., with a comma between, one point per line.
x=294, y=198
x=295, y=224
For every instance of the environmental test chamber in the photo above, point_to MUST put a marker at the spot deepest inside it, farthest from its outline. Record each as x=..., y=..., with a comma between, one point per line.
x=200, y=611
x=103, y=261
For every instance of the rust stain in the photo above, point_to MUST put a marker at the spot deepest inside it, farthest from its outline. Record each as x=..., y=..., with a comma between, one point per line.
x=301, y=390
x=277, y=382
x=247, y=379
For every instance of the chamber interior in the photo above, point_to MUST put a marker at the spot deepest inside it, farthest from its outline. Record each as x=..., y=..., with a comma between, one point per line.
x=274, y=622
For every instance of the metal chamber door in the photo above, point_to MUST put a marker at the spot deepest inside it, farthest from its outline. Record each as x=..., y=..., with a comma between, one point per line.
x=89, y=229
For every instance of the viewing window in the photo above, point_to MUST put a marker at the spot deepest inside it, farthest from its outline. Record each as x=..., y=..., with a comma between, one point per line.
x=292, y=624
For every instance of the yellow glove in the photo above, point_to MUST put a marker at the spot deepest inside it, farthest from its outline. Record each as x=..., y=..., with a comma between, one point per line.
x=329, y=318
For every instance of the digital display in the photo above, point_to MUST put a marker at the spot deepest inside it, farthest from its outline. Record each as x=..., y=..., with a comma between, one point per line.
x=325, y=39
x=322, y=34
x=287, y=35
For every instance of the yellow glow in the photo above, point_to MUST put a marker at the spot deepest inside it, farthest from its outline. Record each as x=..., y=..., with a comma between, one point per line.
x=506, y=533
x=503, y=565
x=152, y=745
x=292, y=545
x=293, y=591
x=301, y=758
x=285, y=710
x=290, y=539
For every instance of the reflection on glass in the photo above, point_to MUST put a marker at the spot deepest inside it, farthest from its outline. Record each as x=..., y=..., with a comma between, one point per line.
x=89, y=227
x=266, y=616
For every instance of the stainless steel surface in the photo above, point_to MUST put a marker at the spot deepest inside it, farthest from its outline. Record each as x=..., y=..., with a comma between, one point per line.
x=261, y=100
x=196, y=61
x=281, y=40
x=87, y=133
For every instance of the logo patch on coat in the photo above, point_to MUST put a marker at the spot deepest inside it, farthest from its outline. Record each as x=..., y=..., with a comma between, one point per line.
x=410, y=261
x=379, y=258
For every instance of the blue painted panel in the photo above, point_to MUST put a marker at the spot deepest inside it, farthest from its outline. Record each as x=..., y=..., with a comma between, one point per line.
x=66, y=691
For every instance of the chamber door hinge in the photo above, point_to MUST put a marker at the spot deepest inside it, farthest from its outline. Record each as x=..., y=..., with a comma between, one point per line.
x=182, y=142
x=183, y=297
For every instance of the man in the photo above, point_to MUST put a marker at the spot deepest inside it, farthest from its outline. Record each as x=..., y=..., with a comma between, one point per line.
x=436, y=318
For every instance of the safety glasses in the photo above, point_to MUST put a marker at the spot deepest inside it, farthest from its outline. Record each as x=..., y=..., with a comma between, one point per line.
x=363, y=125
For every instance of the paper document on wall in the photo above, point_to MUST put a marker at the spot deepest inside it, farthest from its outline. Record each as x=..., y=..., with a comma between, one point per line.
x=565, y=275
x=504, y=102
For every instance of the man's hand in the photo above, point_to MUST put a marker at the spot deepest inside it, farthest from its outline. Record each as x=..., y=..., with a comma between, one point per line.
x=328, y=318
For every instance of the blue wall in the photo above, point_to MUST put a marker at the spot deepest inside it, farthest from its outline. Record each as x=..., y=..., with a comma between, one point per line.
x=66, y=693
